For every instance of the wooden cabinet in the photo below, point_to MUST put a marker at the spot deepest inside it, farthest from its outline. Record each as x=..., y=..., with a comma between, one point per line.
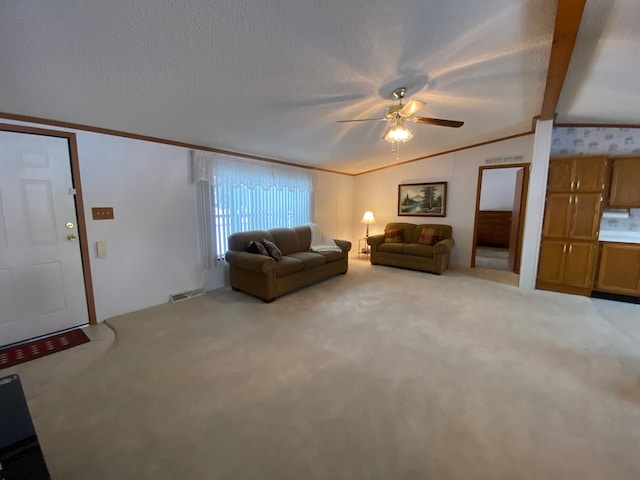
x=625, y=183
x=577, y=174
x=572, y=216
x=579, y=263
x=566, y=266
x=619, y=268
x=571, y=224
x=551, y=263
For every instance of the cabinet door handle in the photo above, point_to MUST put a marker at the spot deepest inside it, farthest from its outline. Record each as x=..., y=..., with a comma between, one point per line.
x=575, y=199
x=570, y=248
x=564, y=248
x=572, y=182
x=578, y=185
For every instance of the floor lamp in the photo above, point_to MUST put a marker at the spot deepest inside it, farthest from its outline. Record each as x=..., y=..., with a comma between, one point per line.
x=367, y=219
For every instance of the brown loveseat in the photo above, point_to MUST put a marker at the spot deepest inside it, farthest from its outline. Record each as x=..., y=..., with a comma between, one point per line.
x=264, y=277
x=407, y=252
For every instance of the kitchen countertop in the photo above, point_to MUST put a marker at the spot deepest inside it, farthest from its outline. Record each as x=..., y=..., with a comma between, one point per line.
x=618, y=236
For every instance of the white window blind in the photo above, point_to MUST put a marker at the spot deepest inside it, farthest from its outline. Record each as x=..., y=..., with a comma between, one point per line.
x=250, y=195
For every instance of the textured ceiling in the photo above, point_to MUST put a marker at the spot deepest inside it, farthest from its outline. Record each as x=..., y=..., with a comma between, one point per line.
x=272, y=78
x=602, y=82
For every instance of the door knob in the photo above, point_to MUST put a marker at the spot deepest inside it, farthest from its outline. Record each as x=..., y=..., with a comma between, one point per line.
x=72, y=236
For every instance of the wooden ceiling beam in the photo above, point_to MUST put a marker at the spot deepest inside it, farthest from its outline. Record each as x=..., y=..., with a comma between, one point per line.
x=568, y=17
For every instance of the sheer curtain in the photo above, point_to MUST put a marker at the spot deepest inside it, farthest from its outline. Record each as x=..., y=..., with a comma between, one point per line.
x=240, y=194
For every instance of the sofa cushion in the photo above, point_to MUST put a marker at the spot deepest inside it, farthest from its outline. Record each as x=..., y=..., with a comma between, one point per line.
x=447, y=231
x=408, y=230
x=332, y=256
x=393, y=236
x=391, y=247
x=304, y=235
x=418, y=250
x=287, y=240
x=256, y=247
x=272, y=249
x=288, y=265
x=430, y=236
x=310, y=259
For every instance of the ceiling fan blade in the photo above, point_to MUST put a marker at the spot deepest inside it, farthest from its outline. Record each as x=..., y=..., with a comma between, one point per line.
x=411, y=107
x=360, y=120
x=438, y=121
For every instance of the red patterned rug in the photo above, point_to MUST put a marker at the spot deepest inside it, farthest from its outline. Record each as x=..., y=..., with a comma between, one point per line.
x=13, y=355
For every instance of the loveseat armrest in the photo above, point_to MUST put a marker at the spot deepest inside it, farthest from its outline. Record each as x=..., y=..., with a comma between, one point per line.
x=444, y=246
x=250, y=261
x=375, y=240
x=344, y=245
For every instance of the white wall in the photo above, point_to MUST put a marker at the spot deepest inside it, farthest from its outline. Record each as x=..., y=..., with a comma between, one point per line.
x=153, y=241
x=333, y=204
x=535, y=204
x=378, y=191
x=498, y=189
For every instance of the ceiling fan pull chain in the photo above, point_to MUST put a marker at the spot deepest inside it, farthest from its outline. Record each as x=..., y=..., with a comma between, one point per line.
x=395, y=148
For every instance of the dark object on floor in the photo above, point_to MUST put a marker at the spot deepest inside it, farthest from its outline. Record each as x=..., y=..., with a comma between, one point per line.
x=23, y=352
x=20, y=453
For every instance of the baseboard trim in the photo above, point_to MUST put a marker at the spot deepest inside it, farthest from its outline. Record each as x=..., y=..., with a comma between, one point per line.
x=616, y=297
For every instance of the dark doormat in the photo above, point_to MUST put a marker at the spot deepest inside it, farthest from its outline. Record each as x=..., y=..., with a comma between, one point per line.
x=23, y=352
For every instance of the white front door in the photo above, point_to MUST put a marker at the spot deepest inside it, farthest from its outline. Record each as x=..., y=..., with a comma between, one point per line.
x=42, y=288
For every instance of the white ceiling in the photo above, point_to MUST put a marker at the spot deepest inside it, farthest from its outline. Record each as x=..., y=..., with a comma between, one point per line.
x=602, y=84
x=272, y=78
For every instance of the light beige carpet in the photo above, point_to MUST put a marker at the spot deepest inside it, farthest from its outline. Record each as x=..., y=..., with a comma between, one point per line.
x=381, y=373
x=491, y=257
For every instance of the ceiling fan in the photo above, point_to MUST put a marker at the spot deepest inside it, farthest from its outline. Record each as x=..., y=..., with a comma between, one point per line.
x=396, y=115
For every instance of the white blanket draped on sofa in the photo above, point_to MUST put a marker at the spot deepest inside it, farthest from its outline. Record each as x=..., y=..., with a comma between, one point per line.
x=321, y=242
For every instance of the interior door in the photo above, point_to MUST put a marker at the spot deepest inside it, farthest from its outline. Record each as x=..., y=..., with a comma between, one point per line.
x=42, y=287
x=514, y=234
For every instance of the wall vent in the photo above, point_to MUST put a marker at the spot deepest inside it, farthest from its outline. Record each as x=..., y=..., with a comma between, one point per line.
x=179, y=297
x=511, y=159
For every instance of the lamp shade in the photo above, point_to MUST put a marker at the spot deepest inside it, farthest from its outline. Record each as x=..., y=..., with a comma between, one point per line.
x=397, y=133
x=368, y=218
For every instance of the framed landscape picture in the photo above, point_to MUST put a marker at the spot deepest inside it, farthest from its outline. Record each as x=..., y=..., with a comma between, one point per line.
x=422, y=200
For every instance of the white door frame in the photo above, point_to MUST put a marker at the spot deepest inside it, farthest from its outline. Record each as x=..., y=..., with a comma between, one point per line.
x=77, y=184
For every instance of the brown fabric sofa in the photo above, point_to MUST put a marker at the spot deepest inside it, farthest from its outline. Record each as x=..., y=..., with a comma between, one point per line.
x=266, y=278
x=409, y=253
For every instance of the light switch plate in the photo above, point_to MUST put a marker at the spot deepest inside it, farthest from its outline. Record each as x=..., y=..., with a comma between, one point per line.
x=101, y=249
x=102, y=213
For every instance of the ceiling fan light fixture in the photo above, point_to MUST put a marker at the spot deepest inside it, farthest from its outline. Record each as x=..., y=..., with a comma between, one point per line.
x=397, y=133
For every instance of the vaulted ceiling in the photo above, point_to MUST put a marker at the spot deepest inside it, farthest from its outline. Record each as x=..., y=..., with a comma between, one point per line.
x=272, y=79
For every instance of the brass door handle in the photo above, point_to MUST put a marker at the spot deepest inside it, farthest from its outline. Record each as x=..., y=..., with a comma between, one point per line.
x=71, y=236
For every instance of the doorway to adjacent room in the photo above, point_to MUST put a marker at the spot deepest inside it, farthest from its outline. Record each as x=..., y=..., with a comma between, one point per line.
x=499, y=220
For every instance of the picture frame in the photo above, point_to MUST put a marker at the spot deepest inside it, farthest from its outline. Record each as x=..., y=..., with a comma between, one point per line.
x=422, y=199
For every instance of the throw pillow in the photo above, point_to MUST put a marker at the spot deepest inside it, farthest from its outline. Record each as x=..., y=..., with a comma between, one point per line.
x=272, y=249
x=393, y=236
x=430, y=236
x=255, y=247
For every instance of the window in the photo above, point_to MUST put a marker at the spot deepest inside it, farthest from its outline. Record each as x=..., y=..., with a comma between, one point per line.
x=249, y=195
x=240, y=208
